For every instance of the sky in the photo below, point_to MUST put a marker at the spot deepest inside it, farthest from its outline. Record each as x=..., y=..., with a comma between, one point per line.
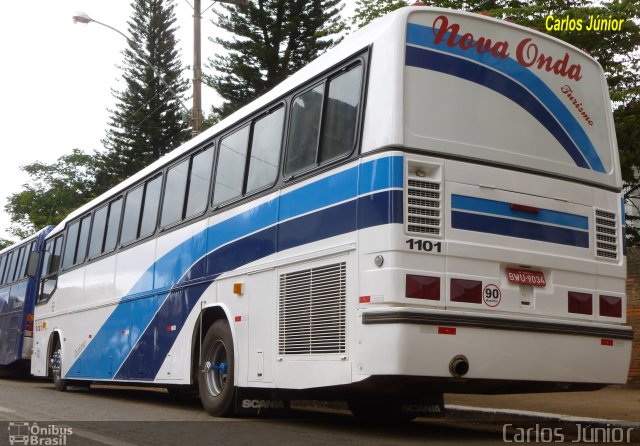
x=56, y=78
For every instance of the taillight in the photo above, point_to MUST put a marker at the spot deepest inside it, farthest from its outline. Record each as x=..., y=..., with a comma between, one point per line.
x=468, y=291
x=28, y=326
x=610, y=306
x=422, y=287
x=580, y=303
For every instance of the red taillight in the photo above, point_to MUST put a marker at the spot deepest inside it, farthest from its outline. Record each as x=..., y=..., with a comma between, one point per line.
x=580, y=303
x=28, y=326
x=422, y=287
x=610, y=306
x=469, y=291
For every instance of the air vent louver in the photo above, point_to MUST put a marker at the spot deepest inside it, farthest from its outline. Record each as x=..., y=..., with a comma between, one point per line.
x=423, y=207
x=606, y=234
x=312, y=307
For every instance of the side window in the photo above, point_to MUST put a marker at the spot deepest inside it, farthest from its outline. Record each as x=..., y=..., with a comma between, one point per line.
x=51, y=263
x=25, y=260
x=151, y=206
x=324, y=122
x=12, y=267
x=141, y=211
x=70, y=247
x=113, y=224
x=340, y=118
x=305, y=130
x=131, y=215
x=199, y=182
x=232, y=159
x=97, y=231
x=5, y=274
x=83, y=239
x=174, y=193
x=266, y=141
x=16, y=275
x=3, y=262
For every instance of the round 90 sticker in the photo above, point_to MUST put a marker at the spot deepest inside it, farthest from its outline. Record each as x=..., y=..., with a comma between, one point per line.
x=492, y=295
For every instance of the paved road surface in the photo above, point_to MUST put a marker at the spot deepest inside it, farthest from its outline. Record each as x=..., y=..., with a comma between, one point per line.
x=126, y=417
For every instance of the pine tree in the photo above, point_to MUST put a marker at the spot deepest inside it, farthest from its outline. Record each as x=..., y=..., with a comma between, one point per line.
x=368, y=10
x=148, y=119
x=272, y=39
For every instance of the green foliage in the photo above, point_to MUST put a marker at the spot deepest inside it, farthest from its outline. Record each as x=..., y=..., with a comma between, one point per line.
x=147, y=121
x=54, y=190
x=4, y=243
x=271, y=40
x=369, y=10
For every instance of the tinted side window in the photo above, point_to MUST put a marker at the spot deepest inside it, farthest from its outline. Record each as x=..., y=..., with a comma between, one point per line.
x=19, y=262
x=305, y=130
x=174, y=193
x=265, y=150
x=151, y=206
x=339, y=128
x=131, y=215
x=83, y=239
x=97, y=231
x=3, y=262
x=231, y=163
x=113, y=224
x=8, y=272
x=70, y=247
x=25, y=260
x=199, y=182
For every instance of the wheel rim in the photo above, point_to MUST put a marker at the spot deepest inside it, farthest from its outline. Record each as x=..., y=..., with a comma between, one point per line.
x=56, y=362
x=216, y=368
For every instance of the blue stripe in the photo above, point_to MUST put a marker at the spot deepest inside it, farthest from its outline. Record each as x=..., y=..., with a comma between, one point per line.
x=510, y=68
x=432, y=60
x=466, y=203
x=519, y=229
x=109, y=348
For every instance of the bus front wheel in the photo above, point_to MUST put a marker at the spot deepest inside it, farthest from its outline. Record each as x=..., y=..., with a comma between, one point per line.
x=216, y=378
x=56, y=367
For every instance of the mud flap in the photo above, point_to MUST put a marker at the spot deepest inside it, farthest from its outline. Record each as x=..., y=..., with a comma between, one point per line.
x=253, y=401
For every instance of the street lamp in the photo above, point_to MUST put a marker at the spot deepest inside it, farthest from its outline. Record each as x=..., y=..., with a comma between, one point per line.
x=83, y=17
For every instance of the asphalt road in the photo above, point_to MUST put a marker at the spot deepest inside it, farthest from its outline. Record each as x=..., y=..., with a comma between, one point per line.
x=129, y=416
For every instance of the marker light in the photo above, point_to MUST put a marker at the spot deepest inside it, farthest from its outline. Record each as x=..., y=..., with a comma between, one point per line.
x=422, y=287
x=610, y=306
x=469, y=291
x=580, y=303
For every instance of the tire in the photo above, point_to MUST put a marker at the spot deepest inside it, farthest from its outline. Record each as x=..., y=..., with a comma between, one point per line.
x=388, y=411
x=55, y=363
x=216, y=371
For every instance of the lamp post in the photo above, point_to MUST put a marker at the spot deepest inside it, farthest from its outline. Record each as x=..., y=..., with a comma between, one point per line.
x=82, y=17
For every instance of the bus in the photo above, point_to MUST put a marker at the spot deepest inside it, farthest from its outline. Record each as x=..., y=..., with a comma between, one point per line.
x=17, y=299
x=434, y=205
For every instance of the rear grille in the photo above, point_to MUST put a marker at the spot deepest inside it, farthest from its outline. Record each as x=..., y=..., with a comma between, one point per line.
x=423, y=207
x=606, y=234
x=312, y=311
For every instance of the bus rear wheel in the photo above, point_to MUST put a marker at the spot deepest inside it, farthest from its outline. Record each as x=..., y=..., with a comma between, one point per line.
x=216, y=375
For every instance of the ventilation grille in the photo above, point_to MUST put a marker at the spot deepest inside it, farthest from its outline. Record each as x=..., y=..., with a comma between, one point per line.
x=606, y=234
x=423, y=207
x=312, y=307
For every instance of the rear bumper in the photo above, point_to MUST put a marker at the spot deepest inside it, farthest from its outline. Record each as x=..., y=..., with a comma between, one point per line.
x=422, y=343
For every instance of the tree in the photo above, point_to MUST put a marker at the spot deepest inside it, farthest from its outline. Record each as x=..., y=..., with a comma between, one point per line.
x=369, y=10
x=271, y=40
x=4, y=243
x=148, y=119
x=54, y=190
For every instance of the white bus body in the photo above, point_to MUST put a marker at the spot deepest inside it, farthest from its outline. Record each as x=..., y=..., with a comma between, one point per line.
x=472, y=241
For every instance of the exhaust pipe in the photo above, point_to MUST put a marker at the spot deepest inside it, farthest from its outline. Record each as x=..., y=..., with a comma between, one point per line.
x=459, y=366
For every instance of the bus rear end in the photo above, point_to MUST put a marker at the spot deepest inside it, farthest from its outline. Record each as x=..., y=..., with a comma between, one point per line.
x=507, y=273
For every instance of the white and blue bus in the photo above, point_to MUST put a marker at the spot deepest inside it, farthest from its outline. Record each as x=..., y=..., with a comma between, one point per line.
x=431, y=206
x=18, y=292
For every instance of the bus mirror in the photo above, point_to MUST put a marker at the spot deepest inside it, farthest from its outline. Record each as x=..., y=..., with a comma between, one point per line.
x=32, y=265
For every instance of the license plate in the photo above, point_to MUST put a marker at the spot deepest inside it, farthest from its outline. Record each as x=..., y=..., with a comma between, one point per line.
x=526, y=277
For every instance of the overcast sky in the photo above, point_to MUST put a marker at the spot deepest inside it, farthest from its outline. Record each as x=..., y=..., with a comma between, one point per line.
x=56, y=78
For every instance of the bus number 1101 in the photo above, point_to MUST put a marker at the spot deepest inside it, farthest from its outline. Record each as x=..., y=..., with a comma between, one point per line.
x=424, y=245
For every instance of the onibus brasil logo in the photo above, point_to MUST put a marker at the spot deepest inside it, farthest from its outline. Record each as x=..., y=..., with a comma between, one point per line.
x=33, y=434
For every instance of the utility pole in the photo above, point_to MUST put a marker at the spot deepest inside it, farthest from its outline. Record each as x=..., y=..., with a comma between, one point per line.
x=196, y=112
